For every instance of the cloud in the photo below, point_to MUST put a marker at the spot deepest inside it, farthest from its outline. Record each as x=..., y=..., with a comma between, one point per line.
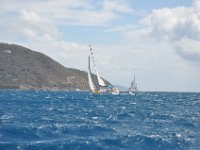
x=81, y=12
x=164, y=46
x=179, y=27
x=35, y=25
x=69, y=54
x=188, y=49
x=120, y=6
x=38, y=28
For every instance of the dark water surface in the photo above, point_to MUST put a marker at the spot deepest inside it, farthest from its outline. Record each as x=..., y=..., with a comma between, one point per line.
x=72, y=120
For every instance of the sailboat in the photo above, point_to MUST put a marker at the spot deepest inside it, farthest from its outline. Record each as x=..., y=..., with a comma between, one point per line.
x=133, y=89
x=102, y=86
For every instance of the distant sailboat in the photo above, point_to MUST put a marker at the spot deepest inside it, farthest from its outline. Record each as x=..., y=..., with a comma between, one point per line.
x=103, y=87
x=133, y=89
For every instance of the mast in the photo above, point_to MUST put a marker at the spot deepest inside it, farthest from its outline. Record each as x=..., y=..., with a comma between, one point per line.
x=100, y=81
x=91, y=83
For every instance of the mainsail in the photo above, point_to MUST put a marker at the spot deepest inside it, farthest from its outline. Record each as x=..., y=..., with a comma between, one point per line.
x=133, y=88
x=91, y=83
x=100, y=81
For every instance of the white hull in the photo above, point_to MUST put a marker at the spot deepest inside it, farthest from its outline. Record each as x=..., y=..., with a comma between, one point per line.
x=132, y=93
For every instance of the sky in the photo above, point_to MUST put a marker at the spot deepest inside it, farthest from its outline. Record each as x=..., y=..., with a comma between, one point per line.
x=157, y=41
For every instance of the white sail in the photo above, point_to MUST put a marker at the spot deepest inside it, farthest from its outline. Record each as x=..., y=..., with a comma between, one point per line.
x=133, y=87
x=91, y=83
x=100, y=81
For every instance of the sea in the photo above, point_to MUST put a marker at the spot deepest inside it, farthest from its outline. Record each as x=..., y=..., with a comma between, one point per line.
x=37, y=120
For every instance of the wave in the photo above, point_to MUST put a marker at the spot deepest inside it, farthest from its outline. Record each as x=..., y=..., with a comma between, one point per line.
x=70, y=120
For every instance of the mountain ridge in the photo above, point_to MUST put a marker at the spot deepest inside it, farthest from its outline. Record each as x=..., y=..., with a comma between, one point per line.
x=26, y=69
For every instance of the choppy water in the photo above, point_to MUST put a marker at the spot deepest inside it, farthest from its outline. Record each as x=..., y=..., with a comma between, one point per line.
x=67, y=120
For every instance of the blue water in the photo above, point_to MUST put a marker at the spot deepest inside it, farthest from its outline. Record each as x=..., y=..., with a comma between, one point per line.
x=71, y=120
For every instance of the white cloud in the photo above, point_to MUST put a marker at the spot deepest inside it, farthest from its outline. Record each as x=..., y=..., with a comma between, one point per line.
x=188, y=48
x=70, y=12
x=34, y=25
x=158, y=40
x=120, y=6
x=37, y=22
x=179, y=27
x=67, y=53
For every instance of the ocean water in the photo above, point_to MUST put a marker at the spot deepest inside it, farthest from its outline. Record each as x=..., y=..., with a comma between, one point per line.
x=74, y=120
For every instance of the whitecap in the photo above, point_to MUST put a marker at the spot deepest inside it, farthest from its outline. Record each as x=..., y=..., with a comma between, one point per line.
x=6, y=117
x=123, y=107
x=87, y=99
x=61, y=97
x=132, y=103
x=50, y=108
x=151, y=114
x=82, y=118
x=70, y=109
x=46, y=118
x=100, y=106
x=41, y=127
x=59, y=125
x=45, y=141
x=94, y=118
x=178, y=135
x=111, y=117
x=19, y=147
x=154, y=136
x=47, y=97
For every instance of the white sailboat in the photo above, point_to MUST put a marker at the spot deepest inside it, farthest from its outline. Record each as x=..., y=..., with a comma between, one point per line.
x=103, y=87
x=133, y=89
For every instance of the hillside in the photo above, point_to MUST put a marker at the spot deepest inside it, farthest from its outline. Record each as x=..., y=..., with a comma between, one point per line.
x=22, y=68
